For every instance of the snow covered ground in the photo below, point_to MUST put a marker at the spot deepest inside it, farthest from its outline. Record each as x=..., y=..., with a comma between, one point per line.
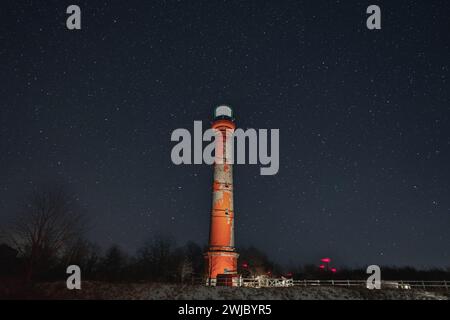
x=154, y=291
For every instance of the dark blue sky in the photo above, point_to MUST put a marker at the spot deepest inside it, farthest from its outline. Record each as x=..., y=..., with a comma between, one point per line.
x=363, y=116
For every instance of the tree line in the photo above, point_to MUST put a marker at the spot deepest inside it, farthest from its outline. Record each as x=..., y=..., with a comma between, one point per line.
x=47, y=236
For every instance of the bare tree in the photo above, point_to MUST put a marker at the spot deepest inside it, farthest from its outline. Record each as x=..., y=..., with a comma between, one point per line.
x=186, y=269
x=114, y=263
x=48, y=223
x=158, y=258
x=85, y=254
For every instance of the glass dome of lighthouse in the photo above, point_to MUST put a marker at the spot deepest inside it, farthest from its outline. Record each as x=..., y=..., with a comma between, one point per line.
x=223, y=112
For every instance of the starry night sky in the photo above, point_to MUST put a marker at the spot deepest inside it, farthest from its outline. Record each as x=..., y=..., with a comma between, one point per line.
x=364, y=119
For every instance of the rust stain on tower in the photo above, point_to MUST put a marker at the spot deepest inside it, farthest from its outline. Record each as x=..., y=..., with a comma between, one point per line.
x=221, y=257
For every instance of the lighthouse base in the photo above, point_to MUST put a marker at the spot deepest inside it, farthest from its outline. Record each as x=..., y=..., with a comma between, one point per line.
x=221, y=268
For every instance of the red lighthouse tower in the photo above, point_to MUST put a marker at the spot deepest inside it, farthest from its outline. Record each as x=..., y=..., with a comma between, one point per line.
x=221, y=257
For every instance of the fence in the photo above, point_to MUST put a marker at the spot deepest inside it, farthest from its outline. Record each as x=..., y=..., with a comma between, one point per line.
x=264, y=282
x=388, y=284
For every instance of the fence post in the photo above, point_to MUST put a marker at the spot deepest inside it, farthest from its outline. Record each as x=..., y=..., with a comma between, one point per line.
x=423, y=285
x=348, y=283
x=445, y=284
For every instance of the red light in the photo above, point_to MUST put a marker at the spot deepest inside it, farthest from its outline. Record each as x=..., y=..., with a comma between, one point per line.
x=289, y=274
x=244, y=265
x=326, y=260
x=322, y=266
x=333, y=270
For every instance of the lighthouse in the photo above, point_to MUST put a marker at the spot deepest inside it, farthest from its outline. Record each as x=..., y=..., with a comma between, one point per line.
x=221, y=257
